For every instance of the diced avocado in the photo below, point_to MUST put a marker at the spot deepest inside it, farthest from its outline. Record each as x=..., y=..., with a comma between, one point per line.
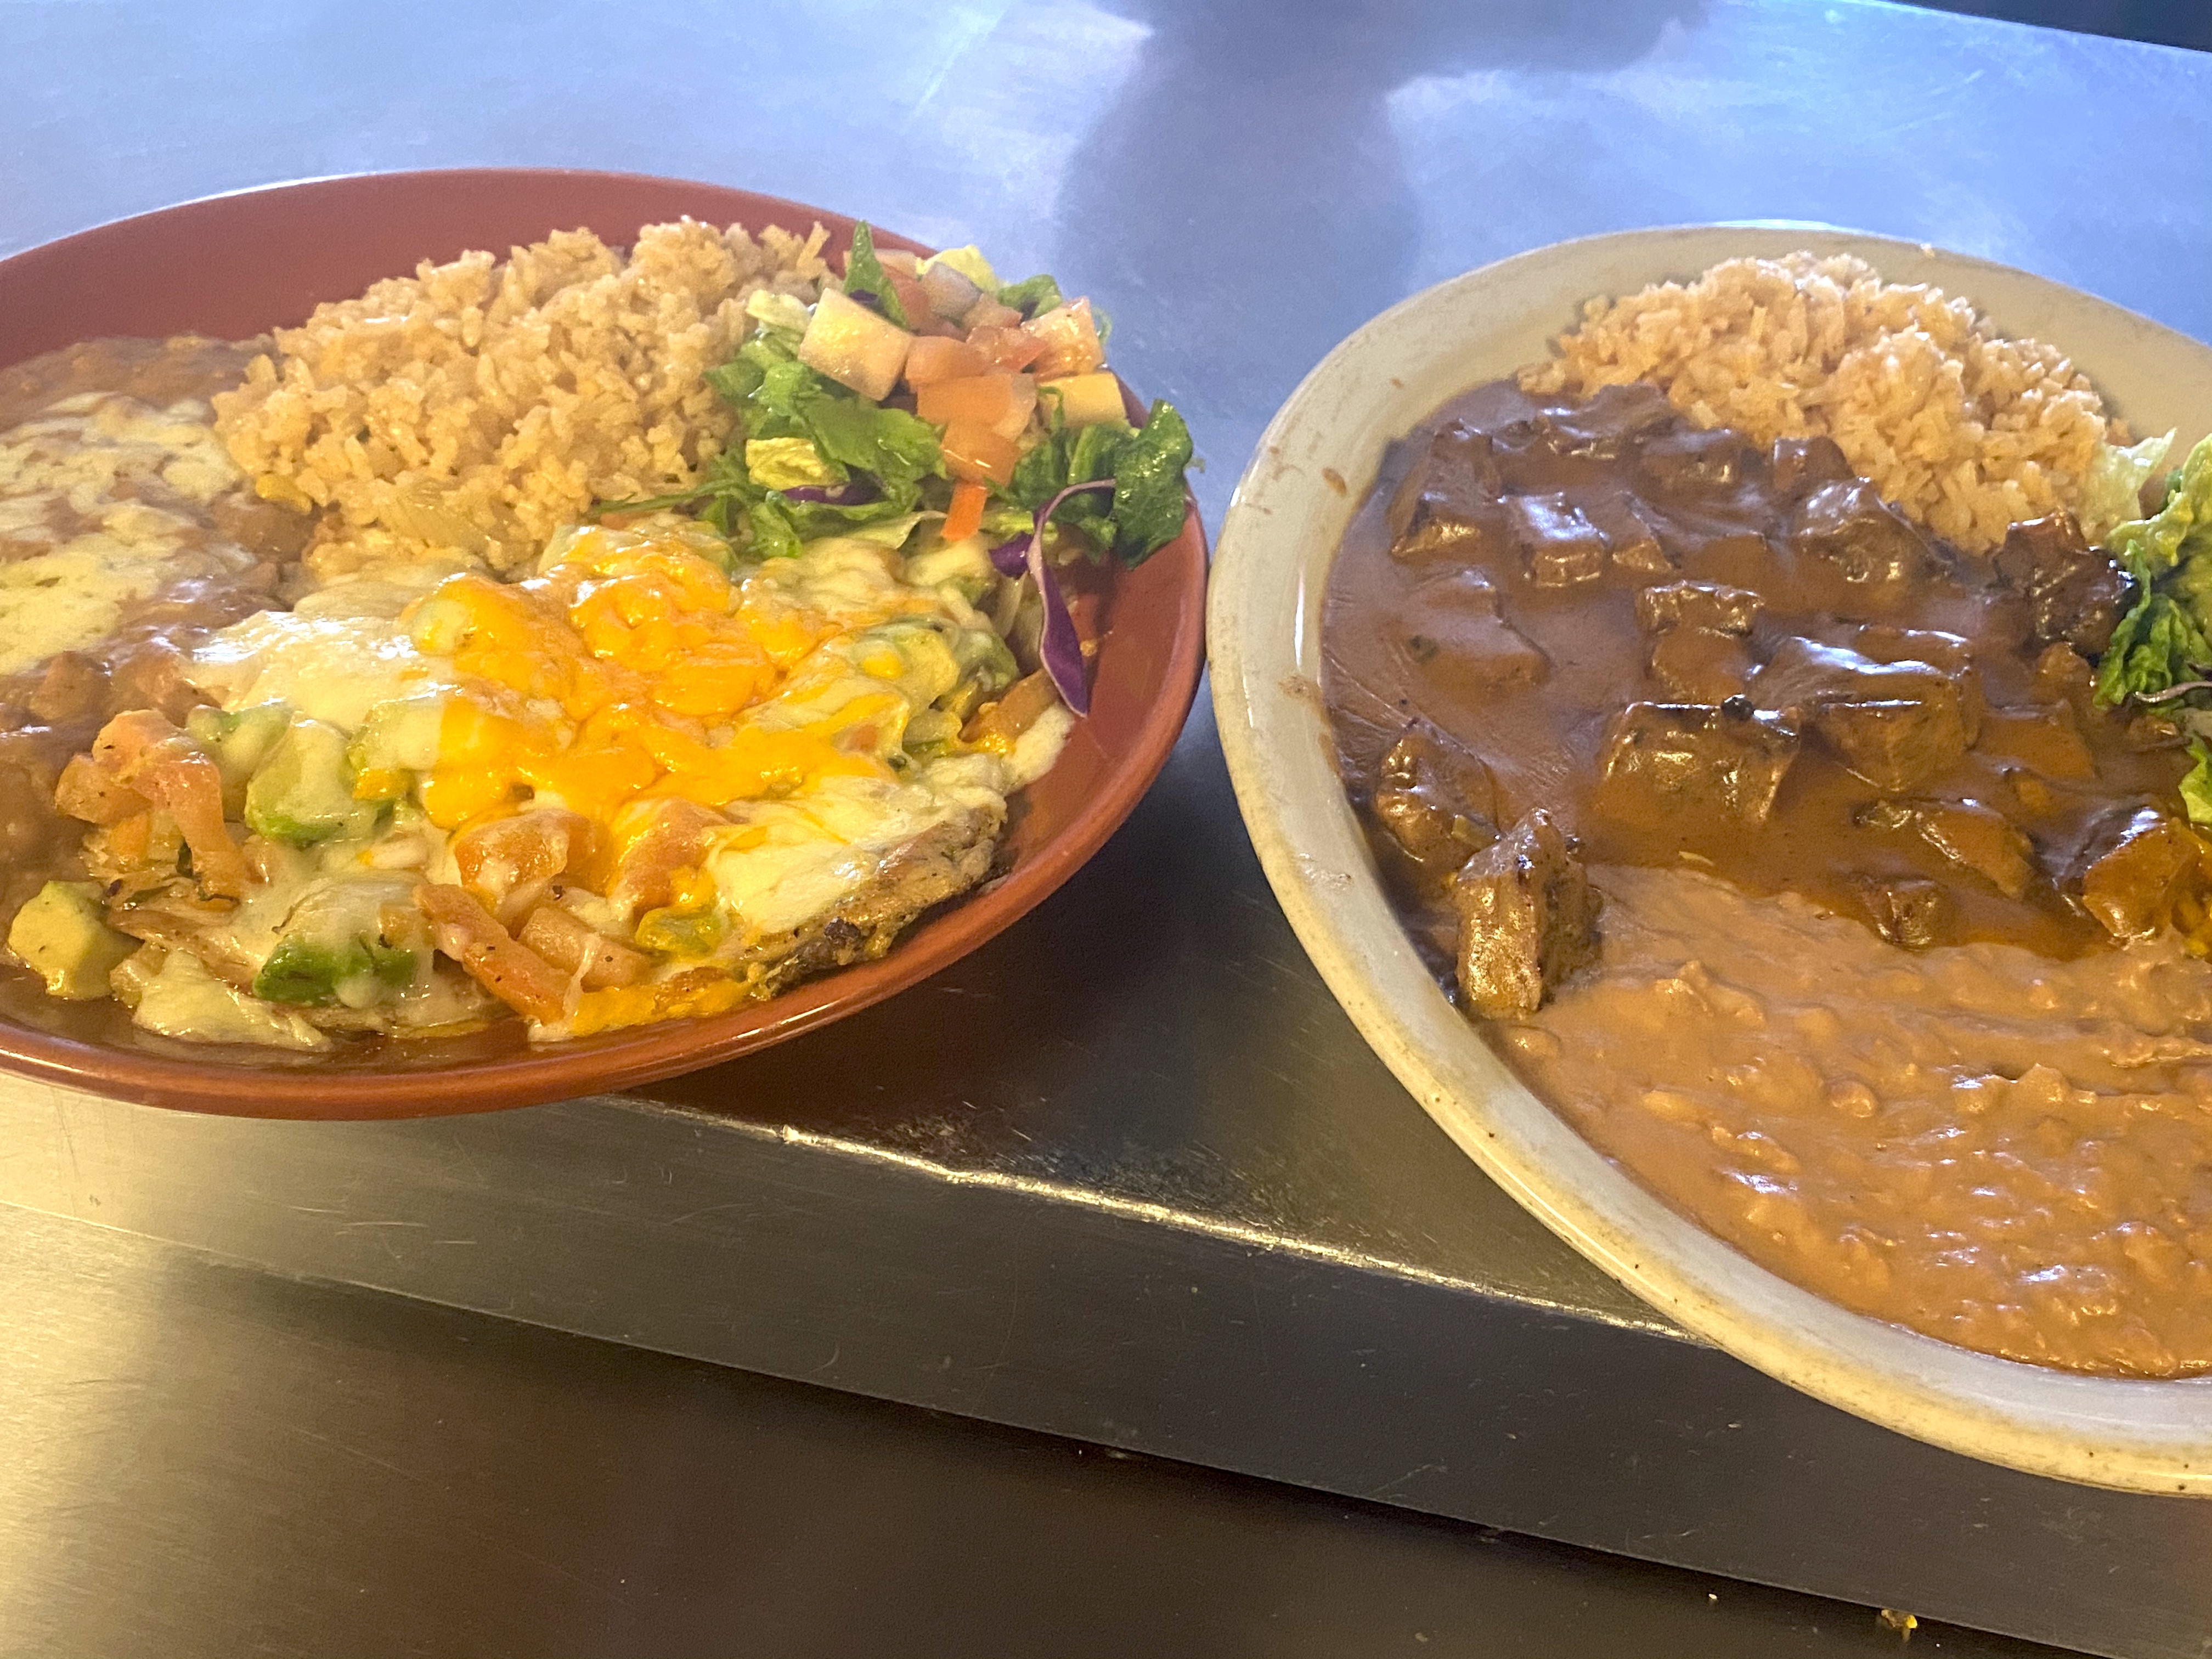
x=982, y=655
x=439, y=625
x=987, y=668
x=333, y=948
x=681, y=934
x=962, y=563
x=303, y=790
x=927, y=667
x=774, y=310
x=399, y=740
x=241, y=740
x=62, y=937
x=933, y=732
x=308, y=974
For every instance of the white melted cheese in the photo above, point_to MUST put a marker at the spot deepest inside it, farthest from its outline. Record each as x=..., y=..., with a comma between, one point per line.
x=186, y=1001
x=80, y=493
x=792, y=860
x=333, y=668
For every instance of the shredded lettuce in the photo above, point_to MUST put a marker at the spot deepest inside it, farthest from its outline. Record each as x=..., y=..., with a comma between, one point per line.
x=2113, y=493
x=805, y=433
x=2196, y=784
x=787, y=462
x=2168, y=636
x=1032, y=297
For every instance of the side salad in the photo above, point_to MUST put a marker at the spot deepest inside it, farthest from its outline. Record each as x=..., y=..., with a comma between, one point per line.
x=2160, y=654
x=927, y=388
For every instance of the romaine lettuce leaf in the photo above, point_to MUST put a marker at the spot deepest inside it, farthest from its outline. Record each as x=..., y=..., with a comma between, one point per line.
x=787, y=462
x=802, y=432
x=1146, y=463
x=2113, y=493
x=864, y=275
x=895, y=447
x=2168, y=637
x=2196, y=784
x=1032, y=297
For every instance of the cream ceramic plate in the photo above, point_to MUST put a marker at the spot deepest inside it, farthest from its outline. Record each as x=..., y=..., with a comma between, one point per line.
x=1318, y=458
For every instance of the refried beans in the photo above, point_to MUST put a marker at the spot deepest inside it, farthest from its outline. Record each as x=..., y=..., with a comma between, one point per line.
x=126, y=536
x=1783, y=850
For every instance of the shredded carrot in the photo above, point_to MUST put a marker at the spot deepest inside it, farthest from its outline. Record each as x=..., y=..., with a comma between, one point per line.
x=966, y=516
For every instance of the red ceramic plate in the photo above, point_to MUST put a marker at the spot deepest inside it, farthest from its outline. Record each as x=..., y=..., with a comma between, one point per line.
x=235, y=266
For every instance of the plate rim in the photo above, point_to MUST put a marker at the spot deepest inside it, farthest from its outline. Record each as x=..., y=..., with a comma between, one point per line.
x=2127, y=1434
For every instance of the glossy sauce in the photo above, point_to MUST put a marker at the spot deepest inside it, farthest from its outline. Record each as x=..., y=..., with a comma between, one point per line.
x=2003, y=1138
x=1410, y=634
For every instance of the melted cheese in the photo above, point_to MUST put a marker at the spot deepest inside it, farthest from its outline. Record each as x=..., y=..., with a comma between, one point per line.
x=83, y=489
x=333, y=668
x=639, y=667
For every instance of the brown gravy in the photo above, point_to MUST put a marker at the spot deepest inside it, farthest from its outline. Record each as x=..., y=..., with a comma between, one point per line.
x=2000, y=1136
x=1531, y=666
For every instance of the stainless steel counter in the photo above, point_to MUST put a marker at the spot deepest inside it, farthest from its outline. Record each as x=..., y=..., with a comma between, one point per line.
x=1128, y=1175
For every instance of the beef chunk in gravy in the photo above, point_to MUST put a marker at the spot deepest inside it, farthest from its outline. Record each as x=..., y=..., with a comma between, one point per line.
x=1447, y=501
x=1899, y=745
x=1697, y=666
x=2130, y=888
x=1456, y=637
x=1691, y=461
x=1708, y=605
x=1607, y=426
x=1798, y=466
x=1527, y=918
x=1560, y=546
x=1686, y=645
x=1718, y=764
x=1908, y=910
x=1872, y=547
x=1435, y=799
x=2074, y=592
x=1970, y=835
x=1633, y=544
x=1895, y=724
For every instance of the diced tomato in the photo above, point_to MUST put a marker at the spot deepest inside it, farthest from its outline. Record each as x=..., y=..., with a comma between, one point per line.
x=897, y=261
x=976, y=454
x=1070, y=340
x=931, y=359
x=965, y=516
x=1011, y=348
x=911, y=298
x=985, y=399
x=988, y=313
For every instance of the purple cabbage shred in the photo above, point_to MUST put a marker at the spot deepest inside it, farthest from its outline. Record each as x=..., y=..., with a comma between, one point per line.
x=1059, y=652
x=858, y=493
